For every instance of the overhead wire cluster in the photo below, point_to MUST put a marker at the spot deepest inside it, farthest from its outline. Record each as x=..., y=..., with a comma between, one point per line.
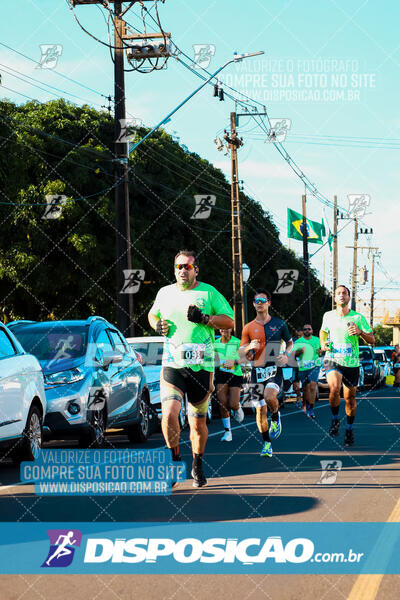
x=143, y=55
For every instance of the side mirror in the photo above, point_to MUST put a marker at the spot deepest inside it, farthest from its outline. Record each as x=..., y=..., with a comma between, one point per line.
x=111, y=357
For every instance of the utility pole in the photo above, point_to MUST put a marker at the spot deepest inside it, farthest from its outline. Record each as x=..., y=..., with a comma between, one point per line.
x=124, y=302
x=238, y=305
x=354, y=277
x=355, y=248
x=121, y=174
x=307, y=288
x=373, y=251
x=371, y=317
x=335, y=251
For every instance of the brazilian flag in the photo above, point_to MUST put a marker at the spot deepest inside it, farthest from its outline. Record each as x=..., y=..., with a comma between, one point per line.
x=315, y=230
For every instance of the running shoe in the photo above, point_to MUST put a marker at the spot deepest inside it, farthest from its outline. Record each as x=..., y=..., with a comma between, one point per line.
x=199, y=479
x=275, y=429
x=227, y=437
x=266, y=450
x=310, y=413
x=349, y=437
x=238, y=414
x=334, y=430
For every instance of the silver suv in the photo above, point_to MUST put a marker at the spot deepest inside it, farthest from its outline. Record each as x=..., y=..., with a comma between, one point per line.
x=93, y=379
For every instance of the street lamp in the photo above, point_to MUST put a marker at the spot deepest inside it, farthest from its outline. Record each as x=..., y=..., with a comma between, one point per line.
x=246, y=275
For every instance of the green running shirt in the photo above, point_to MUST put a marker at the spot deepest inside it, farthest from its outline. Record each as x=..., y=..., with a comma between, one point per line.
x=344, y=347
x=189, y=344
x=310, y=357
x=228, y=351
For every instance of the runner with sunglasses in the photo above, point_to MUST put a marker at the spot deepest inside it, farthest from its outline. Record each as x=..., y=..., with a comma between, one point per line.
x=344, y=328
x=307, y=350
x=261, y=343
x=187, y=314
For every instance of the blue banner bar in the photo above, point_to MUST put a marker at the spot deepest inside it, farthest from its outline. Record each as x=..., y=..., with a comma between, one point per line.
x=201, y=548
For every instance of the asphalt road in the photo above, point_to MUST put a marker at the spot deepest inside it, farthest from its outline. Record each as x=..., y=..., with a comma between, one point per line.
x=242, y=486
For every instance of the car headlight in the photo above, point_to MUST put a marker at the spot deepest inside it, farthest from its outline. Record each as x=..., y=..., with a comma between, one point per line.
x=63, y=377
x=154, y=386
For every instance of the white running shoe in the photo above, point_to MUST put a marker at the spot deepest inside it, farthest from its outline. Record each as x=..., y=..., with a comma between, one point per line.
x=227, y=437
x=238, y=414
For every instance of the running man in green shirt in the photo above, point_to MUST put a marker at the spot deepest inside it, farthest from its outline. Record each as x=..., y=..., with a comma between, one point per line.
x=344, y=328
x=187, y=314
x=307, y=350
x=228, y=380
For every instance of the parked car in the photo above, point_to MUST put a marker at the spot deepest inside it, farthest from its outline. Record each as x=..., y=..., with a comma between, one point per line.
x=323, y=386
x=93, y=380
x=384, y=363
x=22, y=399
x=388, y=350
x=150, y=349
x=372, y=369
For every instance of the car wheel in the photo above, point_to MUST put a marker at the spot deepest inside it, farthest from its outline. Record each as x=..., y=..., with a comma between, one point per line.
x=183, y=414
x=95, y=435
x=31, y=442
x=141, y=430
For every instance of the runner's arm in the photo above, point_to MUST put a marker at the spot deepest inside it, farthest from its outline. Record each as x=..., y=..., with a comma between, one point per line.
x=323, y=337
x=367, y=337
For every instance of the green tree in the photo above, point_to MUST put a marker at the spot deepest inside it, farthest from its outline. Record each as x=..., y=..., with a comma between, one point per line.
x=383, y=335
x=64, y=268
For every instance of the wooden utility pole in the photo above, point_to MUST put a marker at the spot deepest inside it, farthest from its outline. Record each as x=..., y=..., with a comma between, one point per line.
x=307, y=287
x=371, y=316
x=354, y=275
x=123, y=262
x=234, y=144
x=335, y=251
x=122, y=212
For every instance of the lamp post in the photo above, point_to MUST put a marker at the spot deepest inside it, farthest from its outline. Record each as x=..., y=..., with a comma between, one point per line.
x=246, y=275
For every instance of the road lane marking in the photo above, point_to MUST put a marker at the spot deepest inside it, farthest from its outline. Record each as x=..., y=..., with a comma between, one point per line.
x=366, y=587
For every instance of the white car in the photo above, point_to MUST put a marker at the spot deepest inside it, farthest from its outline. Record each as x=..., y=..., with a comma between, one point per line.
x=22, y=399
x=384, y=362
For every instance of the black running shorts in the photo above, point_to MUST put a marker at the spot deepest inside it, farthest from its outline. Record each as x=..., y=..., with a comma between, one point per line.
x=350, y=374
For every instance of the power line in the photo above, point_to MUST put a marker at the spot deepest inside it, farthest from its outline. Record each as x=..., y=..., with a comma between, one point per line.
x=55, y=71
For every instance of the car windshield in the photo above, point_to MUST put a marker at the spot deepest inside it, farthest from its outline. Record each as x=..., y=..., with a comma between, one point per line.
x=53, y=342
x=380, y=355
x=389, y=352
x=150, y=351
x=365, y=355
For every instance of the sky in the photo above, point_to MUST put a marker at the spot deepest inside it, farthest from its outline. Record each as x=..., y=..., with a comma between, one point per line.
x=330, y=69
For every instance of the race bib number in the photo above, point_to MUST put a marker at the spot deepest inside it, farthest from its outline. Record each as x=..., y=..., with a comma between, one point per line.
x=342, y=350
x=193, y=354
x=264, y=373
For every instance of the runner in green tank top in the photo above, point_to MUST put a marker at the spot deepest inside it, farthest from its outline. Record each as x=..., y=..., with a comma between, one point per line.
x=344, y=327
